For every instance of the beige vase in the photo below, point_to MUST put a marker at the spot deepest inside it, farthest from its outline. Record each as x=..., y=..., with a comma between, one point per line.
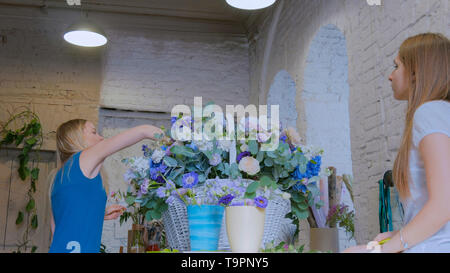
x=324, y=239
x=245, y=228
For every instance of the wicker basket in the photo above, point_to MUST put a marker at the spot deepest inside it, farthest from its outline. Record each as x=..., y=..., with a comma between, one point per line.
x=276, y=228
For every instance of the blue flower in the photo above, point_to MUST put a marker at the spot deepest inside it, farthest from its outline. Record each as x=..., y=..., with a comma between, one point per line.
x=298, y=174
x=226, y=200
x=283, y=139
x=242, y=155
x=173, y=120
x=190, y=180
x=312, y=169
x=261, y=202
x=156, y=169
x=313, y=166
x=160, y=179
x=302, y=185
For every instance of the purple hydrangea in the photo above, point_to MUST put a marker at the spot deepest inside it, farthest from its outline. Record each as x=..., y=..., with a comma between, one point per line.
x=144, y=188
x=161, y=192
x=190, y=180
x=261, y=202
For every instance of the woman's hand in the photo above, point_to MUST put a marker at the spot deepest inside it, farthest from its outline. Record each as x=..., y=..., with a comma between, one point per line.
x=382, y=236
x=114, y=211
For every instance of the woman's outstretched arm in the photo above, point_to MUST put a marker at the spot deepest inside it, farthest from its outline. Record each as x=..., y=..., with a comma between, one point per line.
x=92, y=158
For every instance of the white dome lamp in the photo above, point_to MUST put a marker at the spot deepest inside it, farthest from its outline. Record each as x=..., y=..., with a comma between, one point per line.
x=85, y=34
x=250, y=4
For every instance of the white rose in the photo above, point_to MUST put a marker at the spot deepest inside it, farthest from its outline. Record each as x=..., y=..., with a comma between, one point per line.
x=249, y=165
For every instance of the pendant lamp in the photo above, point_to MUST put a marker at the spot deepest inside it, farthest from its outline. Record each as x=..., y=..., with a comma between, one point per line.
x=250, y=4
x=85, y=34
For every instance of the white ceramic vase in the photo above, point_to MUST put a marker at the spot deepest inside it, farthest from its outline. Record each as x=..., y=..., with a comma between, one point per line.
x=245, y=228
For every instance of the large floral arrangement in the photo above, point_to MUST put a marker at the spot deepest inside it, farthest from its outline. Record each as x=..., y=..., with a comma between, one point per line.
x=192, y=170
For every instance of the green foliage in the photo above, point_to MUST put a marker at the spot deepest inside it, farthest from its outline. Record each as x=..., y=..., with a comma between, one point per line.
x=282, y=247
x=342, y=216
x=28, y=138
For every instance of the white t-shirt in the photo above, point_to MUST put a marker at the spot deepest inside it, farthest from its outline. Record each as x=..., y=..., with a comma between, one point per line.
x=431, y=117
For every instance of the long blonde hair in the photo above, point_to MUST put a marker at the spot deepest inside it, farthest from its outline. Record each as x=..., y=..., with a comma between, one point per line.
x=69, y=141
x=426, y=61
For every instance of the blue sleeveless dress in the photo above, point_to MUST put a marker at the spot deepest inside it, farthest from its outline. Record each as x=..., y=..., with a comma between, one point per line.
x=78, y=206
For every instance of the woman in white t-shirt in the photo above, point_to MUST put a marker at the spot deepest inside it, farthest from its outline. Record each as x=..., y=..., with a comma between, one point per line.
x=422, y=167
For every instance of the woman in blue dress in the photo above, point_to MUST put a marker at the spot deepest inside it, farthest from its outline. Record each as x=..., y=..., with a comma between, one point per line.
x=78, y=192
x=421, y=170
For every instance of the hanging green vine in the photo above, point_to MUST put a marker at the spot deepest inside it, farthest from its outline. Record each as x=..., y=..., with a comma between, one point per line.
x=30, y=138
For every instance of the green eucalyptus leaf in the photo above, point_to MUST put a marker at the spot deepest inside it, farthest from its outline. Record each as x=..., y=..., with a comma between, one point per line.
x=260, y=156
x=268, y=162
x=271, y=154
x=183, y=150
x=265, y=181
x=156, y=214
x=301, y=214
x=201, y=178
x=249, y=195
x=252, y=187
x=170, y=162
x=253, y=147
x=148, y=216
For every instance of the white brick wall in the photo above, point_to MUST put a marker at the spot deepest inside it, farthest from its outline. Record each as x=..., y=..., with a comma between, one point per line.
x=155, y=70
x=282, y=92
x=373, y=35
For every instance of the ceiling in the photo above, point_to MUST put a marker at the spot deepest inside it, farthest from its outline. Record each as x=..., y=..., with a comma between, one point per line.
x=217, y=10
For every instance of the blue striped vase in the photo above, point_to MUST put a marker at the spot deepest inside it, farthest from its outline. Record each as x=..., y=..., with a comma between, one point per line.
x=204, y=226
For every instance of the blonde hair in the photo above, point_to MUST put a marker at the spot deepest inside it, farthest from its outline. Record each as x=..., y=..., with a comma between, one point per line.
x=426, y=61
x=69, y=141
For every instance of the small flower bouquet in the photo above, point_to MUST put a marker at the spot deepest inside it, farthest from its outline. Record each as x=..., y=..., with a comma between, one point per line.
x=341, y=215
